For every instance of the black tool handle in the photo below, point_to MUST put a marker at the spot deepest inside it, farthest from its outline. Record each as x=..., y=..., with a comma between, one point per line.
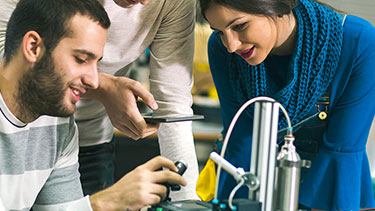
x=181, y=168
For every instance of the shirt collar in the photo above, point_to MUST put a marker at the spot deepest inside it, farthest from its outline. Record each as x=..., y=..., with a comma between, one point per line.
x=8, y=114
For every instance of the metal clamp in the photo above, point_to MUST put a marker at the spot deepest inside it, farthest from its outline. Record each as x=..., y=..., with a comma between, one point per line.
x=251, y=181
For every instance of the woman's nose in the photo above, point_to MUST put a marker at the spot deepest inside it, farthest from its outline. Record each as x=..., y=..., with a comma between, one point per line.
x=231, y=42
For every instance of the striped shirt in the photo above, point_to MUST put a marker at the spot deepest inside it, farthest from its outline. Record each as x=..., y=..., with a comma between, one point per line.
x=39, y=164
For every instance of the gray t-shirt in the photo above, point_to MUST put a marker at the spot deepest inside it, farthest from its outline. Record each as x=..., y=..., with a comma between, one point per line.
x=38, y=169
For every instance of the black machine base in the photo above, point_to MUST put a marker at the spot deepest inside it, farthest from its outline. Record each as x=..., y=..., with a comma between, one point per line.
x=239, y=205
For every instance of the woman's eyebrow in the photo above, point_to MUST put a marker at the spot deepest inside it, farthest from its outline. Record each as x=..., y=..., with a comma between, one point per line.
x=230, y=23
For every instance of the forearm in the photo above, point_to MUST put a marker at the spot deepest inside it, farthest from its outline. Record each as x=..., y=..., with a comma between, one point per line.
x=176, y=143
x=99, y=202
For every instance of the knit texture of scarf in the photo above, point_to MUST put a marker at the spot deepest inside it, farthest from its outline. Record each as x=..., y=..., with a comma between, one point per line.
x=311, y=69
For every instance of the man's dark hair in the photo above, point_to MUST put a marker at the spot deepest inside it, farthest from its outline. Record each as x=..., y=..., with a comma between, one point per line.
x=50, y=19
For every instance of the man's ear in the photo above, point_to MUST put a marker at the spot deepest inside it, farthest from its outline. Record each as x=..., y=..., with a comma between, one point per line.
x=32, y=46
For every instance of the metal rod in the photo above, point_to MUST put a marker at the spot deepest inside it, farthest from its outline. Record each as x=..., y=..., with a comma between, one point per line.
x=263, y=155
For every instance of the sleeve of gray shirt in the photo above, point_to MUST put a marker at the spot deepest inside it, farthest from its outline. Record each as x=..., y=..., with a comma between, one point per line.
x=171, y=81
x=63, y=191
x=63, y=185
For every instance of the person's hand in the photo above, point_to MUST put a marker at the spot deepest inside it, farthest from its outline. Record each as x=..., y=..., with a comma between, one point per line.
x=119, y=96
x=139, y=188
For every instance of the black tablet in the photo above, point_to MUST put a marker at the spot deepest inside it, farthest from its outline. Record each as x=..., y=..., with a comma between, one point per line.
x=182, y=206
x=175, y=118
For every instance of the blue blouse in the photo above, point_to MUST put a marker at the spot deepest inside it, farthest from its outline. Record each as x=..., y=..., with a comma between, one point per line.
x=339, y=178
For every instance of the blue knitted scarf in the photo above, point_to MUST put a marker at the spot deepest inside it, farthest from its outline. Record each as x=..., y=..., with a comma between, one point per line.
x=311, y=69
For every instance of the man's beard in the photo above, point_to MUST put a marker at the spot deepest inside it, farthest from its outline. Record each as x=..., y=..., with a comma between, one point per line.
x=41, y=91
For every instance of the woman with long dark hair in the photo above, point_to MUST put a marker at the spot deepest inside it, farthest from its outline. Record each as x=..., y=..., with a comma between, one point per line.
x=320, y=65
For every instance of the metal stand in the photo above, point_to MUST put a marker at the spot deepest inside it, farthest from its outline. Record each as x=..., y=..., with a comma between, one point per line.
x=270, y=188
x=263, y=155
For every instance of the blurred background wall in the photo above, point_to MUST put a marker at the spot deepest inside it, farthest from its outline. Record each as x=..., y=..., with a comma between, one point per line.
x=362, y=8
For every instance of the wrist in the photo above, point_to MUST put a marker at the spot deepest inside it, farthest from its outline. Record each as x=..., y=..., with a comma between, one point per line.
x=99, y=202
x=96, y=203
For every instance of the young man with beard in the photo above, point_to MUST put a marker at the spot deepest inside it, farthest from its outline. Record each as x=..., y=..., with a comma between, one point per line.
x=166, y=28
x=51, y=53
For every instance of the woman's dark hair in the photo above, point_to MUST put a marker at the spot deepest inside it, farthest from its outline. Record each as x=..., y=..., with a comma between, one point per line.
x=50, y=19
x=259, y=7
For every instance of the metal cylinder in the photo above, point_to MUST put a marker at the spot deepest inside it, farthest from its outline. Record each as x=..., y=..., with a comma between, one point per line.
x=288, y=173
x=287, y=185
